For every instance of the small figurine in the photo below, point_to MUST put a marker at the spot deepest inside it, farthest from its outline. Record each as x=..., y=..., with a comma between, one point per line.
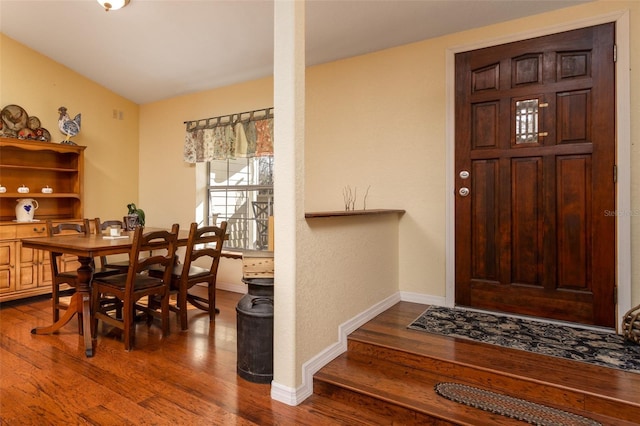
x=68, y=126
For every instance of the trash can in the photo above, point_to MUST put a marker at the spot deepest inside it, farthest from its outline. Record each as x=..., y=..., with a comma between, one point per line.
x=255, y=331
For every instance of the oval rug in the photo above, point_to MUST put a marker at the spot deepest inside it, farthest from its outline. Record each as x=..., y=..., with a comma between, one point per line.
x=508, y=406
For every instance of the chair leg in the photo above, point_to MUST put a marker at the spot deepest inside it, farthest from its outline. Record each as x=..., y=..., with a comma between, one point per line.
x=129, y=323
x=211, y=288
x=182, y=309
x=95, y=307
x=166, y=326
x=55, y=298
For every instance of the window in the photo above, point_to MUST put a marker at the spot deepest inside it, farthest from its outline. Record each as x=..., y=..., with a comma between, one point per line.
x=240, y=191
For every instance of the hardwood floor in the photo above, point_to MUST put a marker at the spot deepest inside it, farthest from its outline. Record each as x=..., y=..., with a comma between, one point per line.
x=189, y=378
x=392, y=369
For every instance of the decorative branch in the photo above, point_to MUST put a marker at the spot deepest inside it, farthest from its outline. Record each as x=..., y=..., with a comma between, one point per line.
x=349, y=198
x=364, y=203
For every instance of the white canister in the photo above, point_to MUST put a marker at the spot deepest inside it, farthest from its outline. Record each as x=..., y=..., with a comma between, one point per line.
x=25, y=209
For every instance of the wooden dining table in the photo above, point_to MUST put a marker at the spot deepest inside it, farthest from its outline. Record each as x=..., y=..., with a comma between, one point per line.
x=86, y=247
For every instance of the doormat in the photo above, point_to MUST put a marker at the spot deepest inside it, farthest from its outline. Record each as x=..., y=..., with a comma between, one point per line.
x=509, y=406
x=562, y=341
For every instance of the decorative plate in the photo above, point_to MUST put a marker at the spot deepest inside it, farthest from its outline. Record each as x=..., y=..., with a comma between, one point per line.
x=42, y=134
x=33, y=122
x=14, y=117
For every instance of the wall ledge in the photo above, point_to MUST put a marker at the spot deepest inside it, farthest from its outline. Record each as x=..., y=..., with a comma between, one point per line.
x=372, y=212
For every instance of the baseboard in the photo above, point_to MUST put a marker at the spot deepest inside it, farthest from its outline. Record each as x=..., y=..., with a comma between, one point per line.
x=424, y=299
x=295, y=396
x=236, y=288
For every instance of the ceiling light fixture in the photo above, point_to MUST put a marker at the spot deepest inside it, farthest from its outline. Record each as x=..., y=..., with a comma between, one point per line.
x=113, y=4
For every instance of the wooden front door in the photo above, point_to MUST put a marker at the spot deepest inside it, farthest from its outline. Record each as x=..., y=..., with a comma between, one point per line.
x=535, y=177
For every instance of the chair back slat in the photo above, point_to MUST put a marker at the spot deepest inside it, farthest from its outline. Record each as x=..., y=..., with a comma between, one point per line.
x=65, y=227
x=103, y=226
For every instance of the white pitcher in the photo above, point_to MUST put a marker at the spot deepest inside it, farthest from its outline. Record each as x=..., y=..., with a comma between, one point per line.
x=25, y=209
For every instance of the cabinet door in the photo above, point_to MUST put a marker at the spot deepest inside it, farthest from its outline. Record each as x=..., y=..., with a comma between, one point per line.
x=7, y=266
x=28, y=268
x=44, y=269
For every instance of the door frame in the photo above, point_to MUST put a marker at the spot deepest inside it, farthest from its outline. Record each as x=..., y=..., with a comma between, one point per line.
x=623, y=148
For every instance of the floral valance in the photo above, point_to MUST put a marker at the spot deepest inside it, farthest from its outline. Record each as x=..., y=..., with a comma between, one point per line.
x=245, y=134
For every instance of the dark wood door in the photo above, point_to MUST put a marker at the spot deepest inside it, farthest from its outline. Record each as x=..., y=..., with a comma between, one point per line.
x=535, y=149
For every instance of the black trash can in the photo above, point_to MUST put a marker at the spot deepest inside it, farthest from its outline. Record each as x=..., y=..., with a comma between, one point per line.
x=255, y=331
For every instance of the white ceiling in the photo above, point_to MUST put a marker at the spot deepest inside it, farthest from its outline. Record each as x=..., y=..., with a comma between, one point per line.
x=158, y=49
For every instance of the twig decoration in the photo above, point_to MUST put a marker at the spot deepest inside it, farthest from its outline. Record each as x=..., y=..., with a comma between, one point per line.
x=364, y=203
x=349, y=198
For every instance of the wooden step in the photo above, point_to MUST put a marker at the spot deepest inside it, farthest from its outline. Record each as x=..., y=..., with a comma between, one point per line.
x=393, y=369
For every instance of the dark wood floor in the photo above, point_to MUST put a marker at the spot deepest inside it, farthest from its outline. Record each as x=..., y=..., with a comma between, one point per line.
x=189, y=378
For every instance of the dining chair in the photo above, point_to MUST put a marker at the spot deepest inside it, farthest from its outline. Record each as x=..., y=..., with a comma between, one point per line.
x=200, y=266
x=101, y=227
x=60, y=277
x=137, y=283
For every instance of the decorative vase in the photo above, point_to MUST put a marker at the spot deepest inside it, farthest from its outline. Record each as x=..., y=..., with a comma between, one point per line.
x=25, y=209
x=131, y=221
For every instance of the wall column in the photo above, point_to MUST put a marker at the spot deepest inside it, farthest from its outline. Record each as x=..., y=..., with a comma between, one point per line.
x=289, y=103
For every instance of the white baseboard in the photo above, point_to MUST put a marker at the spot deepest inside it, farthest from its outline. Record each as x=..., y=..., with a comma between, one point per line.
x=425, y=299
x=293, y=396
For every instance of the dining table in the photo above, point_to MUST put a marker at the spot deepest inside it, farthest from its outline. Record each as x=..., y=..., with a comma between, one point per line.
x=86, y=248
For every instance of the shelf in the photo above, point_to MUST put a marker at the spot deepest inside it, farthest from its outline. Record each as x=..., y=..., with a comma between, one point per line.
x=39, y=195
x=373, y=212
x=32, y=145
x=16, y=167
x=35, y=165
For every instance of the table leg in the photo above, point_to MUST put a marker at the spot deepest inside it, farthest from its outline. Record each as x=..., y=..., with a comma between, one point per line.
x=80, y=304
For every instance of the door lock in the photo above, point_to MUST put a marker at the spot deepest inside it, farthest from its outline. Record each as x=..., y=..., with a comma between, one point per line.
x=464, y=191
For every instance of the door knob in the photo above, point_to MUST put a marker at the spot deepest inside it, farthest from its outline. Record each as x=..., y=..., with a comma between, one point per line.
x=464, y=191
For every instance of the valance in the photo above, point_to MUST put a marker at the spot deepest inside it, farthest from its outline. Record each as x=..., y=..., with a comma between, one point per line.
x=239, y=135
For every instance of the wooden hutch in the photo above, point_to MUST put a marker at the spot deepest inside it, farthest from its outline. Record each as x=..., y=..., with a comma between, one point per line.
x=36, y=165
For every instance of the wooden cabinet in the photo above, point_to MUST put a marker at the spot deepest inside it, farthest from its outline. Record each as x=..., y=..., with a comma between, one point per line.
x=26, y=272
x=23, y=272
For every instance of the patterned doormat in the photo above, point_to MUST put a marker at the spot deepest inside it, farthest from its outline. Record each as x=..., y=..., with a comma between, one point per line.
x=563, y=341
x=509, y=406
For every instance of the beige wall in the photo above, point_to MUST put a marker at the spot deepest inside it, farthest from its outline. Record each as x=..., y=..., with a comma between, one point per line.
x=376, y=120
x=41, y=86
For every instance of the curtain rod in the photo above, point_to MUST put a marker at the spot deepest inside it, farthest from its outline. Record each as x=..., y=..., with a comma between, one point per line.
x=234, y=118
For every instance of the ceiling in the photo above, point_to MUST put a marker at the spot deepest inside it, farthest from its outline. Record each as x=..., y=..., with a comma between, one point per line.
x=158, y=49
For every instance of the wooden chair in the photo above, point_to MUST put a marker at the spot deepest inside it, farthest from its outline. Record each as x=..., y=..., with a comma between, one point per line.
x=60, y=277
x=123, y=265
x=138, y=283
x=204, y=247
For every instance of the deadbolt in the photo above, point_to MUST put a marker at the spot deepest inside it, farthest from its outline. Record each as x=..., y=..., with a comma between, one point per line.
x=463, y=191
x=464, y=174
